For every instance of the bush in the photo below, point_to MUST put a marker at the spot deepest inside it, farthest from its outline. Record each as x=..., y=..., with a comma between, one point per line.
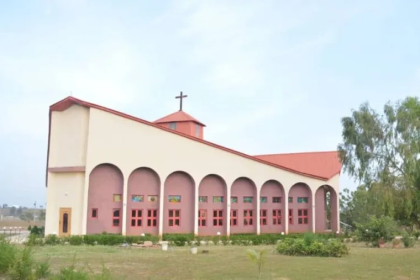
x=312, y=246
x=377, y=228
x=37, y=230
x=408, y=240
x=8, y=253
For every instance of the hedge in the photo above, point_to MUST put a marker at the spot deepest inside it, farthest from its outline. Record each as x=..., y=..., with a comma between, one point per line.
x=174, y=239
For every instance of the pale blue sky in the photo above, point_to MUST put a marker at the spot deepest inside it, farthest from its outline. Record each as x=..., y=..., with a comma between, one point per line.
x=264, y=76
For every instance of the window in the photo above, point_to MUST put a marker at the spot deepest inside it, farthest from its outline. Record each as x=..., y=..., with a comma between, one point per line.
x=217, y=218
x=290, y=199
x=276, y=217
x=116, y=217
x=263, y=199
x=217, y=199
x=277, y=199
x=172, y=125
x=152, y=218
x=197, y=130
x=152, y=198
x=94, y=213
x=136, y=218
x=174, y=218
x=248, y=219
x=263, y=217
x=174, y=198
x=247, y=199
x=117, y=198
x=302, y=200
x=202, y=217
x=234, y=199
x=202, y=199
x=233, y=217
x=290, y=216
x=137, y=198
x=302, y=216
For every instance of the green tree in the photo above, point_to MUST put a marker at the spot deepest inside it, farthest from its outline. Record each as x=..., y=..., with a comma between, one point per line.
x=383, y=152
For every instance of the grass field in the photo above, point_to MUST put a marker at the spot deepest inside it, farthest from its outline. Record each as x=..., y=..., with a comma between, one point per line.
x=18, y=223
x=231, y=262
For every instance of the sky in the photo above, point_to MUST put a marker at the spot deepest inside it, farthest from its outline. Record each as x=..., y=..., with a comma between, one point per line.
x=270, y=76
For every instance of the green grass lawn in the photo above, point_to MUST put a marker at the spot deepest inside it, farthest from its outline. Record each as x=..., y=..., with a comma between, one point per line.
x=231, y=262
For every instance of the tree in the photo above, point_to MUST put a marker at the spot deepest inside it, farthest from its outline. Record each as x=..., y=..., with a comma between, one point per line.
x=257, y=257
x=383, y=152
x=13, y=211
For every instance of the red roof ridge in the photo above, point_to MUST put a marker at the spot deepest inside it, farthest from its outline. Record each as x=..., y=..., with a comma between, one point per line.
x=102, y=108
x=173, y=118
x=296, y=153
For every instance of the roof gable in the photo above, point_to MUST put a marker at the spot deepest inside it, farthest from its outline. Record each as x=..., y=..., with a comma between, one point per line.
x=277, y=161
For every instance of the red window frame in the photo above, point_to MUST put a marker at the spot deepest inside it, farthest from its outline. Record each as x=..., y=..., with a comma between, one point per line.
x=136, y=218
x=202, y=217
x=303, y=217
x=96, y=211
x=217, y=217
x=152, y=217
x=233, y=218
x=277, y=217
x=290, y=216
x=116, y=218
x=263, y=217
x=248, y=217
x=175, y=217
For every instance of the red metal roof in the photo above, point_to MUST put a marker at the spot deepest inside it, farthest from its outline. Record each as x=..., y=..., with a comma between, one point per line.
x=179, y=116
x=309, y=169
x=324, y=164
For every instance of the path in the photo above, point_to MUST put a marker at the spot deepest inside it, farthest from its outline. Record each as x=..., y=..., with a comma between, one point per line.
x=19, y=238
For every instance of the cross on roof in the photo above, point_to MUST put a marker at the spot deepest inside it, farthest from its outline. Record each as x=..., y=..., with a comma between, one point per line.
x=181, y=96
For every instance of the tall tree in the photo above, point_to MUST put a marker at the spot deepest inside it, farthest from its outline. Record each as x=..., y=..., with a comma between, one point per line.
x=383, y=151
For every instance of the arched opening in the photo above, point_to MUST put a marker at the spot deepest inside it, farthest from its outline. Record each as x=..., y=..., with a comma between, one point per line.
x=143, y=202
x=272, y=216
x=178, y=204
x=243, y=204
x=212, y=206
x=105, y=200
x=300, y=208
x=326, y=209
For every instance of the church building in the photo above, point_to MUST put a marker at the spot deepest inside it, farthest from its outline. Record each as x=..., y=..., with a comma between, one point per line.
x=111, y=172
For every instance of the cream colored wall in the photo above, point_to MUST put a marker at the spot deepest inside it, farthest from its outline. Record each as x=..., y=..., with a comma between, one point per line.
x=68, y=146
x=65, y=190
x=68, y=137
x=129, y=145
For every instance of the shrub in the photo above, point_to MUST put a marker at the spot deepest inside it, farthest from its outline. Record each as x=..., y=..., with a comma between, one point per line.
x=408, y=240
x=312, y=246
x=37, y=230
x=8, y=253
x=23, y=265
x=76, y=240
x=178, y=239
x=52, y=240
x=377, y=228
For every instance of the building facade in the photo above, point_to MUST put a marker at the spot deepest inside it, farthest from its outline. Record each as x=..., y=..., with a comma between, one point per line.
x=111, y=172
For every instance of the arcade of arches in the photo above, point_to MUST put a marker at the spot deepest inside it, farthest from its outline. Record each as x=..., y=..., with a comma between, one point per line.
x=203, y=207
